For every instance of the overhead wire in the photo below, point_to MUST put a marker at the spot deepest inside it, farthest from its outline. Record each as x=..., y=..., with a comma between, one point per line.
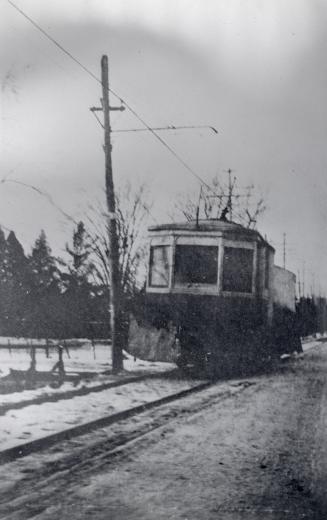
x=169, y=127
x=56, y=206
x=97, y=118
x=122, y=100
x=54, y=41
x=42, y=193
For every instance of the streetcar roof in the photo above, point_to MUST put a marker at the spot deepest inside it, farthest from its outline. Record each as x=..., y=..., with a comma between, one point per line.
x=213, y=225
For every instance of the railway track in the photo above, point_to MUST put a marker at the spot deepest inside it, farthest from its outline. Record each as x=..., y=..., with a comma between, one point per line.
x=84, y=390
x=22, y=449
x=48, y=475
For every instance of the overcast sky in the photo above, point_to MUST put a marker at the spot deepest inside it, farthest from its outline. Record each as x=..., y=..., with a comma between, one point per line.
x=254, y=69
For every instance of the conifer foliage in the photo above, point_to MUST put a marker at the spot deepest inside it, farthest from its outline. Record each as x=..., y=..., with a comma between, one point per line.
x=42, y=296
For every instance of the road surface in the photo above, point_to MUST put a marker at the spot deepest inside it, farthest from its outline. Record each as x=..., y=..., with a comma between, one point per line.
x=233, y=452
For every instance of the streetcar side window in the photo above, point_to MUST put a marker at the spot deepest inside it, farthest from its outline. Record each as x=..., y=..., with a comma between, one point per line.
x=237, y=269
x=159, y=266
x=196, y=264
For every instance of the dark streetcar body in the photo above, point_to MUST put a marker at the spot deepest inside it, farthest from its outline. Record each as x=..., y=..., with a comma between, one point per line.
x=215, y=284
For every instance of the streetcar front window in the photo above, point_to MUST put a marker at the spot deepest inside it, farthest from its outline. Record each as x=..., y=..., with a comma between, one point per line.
x=196, y=264
x=159, y=266
x=237, y=269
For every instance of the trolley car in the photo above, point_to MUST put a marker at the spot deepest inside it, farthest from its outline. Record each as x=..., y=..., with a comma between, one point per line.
x=216, y=284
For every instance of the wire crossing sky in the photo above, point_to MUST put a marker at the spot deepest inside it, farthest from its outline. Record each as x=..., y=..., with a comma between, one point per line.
x=253, y=70
x=123, y=101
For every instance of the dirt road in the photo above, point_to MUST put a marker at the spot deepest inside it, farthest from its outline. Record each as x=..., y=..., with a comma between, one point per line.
x=231, y=452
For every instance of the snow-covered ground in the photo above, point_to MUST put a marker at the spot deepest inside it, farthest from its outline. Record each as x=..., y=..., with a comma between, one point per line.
x=84, y=358
x=313, y=341
x=256, y=452
x=35, y=421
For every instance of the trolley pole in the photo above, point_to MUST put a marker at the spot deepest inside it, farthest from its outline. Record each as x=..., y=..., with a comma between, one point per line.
x=113, y=254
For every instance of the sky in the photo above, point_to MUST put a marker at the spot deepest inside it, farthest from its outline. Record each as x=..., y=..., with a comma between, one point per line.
x=254, y=69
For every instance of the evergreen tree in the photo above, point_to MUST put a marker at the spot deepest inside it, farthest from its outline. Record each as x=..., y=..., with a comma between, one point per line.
x=3, y=283
x=17, y=258
x=78, y=295
x=45, y=311
x=43, y=265
x=38, y=300
x=16, y=284
x=3, y=247
x=13, y=287
x=79, y=266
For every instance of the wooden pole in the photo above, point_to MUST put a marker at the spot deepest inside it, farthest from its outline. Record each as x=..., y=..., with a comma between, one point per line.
x=113, y=254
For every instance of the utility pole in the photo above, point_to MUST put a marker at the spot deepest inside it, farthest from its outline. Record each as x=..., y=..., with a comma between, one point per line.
x=113, y=253
x=198, y=207
x=299, y=283
x=230, y=191
x=313, y=284
x=284, y=250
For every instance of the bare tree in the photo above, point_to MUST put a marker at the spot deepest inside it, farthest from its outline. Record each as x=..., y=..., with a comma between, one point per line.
x=132, y=212
x=217, y=200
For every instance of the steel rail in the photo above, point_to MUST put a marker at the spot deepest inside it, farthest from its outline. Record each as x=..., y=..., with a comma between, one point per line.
x=27, y=448
x=69, y=394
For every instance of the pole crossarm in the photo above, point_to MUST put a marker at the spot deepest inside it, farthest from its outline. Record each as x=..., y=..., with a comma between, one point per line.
x=100, y=109
x=122, y=108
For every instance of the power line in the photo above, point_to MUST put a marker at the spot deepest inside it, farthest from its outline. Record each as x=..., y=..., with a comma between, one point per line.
x=163, y=142
x=54, y=41
x=42, y=193
x=90, y=73
x=169, y=127
x=53, y=203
